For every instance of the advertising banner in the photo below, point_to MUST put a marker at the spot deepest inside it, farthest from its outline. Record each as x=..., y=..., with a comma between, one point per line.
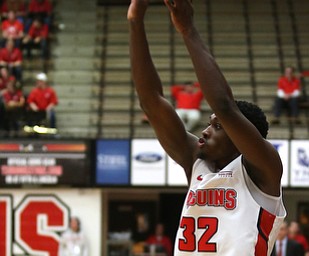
x=175, y=174
x=113, y=162
x=148, y=162
x=282, y=147
x=300, y=163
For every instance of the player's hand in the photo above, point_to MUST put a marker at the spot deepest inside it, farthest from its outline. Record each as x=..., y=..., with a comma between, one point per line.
x=137, y=10
x=181, y=14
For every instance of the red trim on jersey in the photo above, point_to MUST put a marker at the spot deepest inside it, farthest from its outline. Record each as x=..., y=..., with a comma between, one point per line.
x=264, y=225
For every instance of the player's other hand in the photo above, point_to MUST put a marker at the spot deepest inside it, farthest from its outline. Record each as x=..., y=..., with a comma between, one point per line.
x=137, y=10
x=181, y=14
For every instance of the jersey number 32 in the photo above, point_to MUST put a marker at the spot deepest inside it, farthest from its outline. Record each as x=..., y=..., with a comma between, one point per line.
x=189, y=243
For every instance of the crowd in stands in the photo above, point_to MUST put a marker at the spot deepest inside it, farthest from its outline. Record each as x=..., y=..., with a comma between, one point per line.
x=25, y=26
x=291, y=241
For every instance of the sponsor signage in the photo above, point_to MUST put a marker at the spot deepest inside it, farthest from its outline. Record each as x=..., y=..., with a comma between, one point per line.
x=148, y=162
x=176, y=175
x=39, y=162
x=112, y=162
x=282, y=147
x=300, y=163
x=123, y=162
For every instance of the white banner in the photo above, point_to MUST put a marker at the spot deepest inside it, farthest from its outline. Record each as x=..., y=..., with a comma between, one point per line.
x=282, y=147
x=300, y=163
x=148, y=162
x=175, y=174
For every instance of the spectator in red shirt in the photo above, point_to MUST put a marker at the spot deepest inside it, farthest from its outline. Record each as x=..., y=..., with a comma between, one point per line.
x=2, y=117
x=3, y=82
x=12, y=29
x=4, y=75
x=14, y=102
x=288, y=93
x=39, y=9
x=36, y=38
x=41, y=101
x=159, y=242
x=188, y=98
x=296, y=235
x=11, y=58
x=18, y=6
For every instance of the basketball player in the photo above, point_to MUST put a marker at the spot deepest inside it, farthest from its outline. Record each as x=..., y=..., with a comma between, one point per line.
x=234, y=204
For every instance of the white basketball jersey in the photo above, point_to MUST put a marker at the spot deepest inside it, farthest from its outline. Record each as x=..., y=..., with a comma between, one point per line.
x=221, y=218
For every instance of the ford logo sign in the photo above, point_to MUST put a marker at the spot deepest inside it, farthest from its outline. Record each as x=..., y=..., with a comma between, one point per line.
x=148, y=157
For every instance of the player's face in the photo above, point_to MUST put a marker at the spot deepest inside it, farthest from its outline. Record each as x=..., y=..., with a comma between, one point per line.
x=215, y=145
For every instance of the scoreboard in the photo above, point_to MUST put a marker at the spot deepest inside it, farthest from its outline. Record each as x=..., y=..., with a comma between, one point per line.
x=44, y=163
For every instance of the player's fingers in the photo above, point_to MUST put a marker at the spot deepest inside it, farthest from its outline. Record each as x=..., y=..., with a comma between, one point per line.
x=173, y=3
x=169, y=4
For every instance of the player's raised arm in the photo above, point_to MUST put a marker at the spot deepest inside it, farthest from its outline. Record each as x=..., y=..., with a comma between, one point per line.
x=161, y=114
x=261, y=159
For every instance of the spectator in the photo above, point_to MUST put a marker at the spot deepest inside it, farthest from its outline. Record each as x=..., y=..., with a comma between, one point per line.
x=140, y=233
x=73, y=241
x=17, y=6
x=12, y=29
x=285, y=246
x=296, y=235
x=41, y=9
x=41, y=101
x=188, y=98
x=2, y=109
x=36, y=38
x=304, y=222
x=159, y=241
x=11, y=58
x=2, y=117
x=288, y=93
x=4, y=75
x=3, y=82
x=14, y=102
